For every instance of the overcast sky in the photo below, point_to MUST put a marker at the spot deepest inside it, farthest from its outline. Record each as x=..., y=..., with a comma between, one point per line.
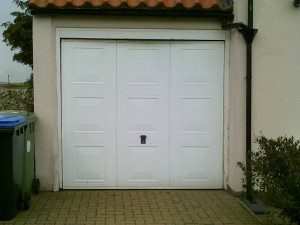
x=16, y=71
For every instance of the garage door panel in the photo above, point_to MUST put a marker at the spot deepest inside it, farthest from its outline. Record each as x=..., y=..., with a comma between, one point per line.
x=140, y=166
x=89, y=65
x=196, y=114
x=196, y=124
x=194, y=163
x=89, y=114
x=142, y=113
x=196, y=64
x=143, y=65
x=143, y=98
x=89, y=163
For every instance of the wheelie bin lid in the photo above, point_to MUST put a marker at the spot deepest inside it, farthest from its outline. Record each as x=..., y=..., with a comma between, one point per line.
x=11, y=121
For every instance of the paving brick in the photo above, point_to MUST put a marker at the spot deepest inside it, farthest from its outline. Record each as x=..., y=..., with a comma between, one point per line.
x=134, y=207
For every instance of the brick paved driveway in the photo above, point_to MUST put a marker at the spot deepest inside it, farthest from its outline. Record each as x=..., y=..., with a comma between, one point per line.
x=135, y=207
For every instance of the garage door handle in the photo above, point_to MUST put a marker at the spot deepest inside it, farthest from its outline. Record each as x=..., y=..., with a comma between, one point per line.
x=143, y=139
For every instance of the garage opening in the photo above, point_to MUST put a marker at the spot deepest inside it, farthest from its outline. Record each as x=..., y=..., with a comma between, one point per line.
x=142, y=114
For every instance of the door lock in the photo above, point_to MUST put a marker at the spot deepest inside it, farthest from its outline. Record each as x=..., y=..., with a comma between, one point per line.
x=143, y=139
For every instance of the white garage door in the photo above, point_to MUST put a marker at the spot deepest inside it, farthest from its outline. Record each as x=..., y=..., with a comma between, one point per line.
x=142, y=114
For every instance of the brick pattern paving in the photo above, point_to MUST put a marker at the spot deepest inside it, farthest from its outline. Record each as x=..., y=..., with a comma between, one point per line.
x=135, y=207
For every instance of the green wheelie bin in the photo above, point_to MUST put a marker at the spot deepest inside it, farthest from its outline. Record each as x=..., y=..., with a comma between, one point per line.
x=29, y=181
x=12, y=133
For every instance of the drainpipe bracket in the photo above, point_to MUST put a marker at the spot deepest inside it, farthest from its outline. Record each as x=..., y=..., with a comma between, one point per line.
x=248, y=34
x=230, y=26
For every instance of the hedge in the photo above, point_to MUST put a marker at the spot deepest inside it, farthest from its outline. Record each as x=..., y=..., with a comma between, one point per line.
x=16, y=99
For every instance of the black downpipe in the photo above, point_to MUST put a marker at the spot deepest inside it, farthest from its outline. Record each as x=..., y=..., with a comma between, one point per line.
x=248, y=34
x=249, y=184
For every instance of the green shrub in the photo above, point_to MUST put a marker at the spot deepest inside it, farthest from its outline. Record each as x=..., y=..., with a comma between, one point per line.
x=16, y=99
x=276, y=174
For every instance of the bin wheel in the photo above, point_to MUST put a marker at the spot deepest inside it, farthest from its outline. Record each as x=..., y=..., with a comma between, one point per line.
x=26, y=203
x=36, y=186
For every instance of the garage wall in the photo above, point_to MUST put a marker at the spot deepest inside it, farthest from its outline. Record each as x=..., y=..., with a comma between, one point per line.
x=237, y=106
x=46, y=83
x=276, y=105
x=45, y=100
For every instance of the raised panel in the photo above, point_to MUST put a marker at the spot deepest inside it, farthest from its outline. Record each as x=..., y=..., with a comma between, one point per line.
x=89, y=163
x=142, y=66
x=196, y=66
x=141, y=163
x=195, y=163
x=142, y=114
x=89, y=65
x=196, y=114
x=89, y=114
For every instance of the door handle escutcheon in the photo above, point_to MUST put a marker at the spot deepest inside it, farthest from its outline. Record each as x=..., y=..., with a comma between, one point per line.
x=143, y=139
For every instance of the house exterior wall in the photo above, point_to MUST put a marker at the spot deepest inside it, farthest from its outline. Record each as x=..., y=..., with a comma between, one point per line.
x=276, y=75
x=276, y=69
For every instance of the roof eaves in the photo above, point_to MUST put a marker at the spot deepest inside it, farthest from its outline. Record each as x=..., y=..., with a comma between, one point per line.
x=135, y=12
x=199, y=8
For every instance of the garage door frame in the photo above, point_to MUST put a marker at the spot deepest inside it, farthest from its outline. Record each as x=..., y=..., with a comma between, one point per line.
x=141, y=34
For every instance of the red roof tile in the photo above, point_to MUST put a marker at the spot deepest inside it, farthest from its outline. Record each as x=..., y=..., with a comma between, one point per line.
x=169, y=4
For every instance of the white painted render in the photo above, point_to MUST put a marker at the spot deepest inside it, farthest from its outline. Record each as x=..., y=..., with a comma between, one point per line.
x=276, y=105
